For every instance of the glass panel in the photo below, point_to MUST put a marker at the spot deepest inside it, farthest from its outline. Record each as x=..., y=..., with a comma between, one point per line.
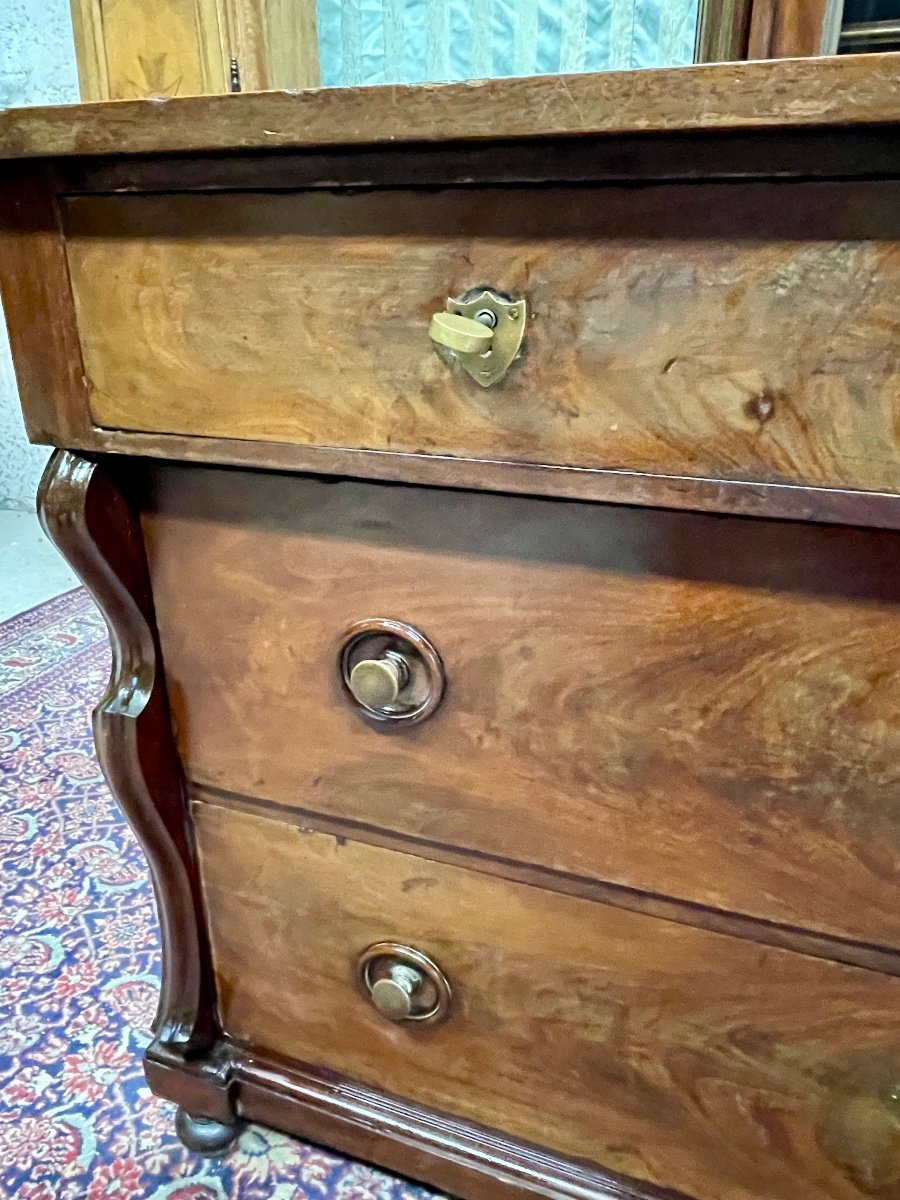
x=419, y=41
x=871, y=10
x=869, y=26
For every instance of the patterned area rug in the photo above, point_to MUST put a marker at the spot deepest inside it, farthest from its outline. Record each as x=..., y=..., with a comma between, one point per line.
x=78, y=963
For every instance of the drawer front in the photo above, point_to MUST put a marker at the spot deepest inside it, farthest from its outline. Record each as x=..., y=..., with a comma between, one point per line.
x=717, y=331
x=696, y=1061
x=698, y=706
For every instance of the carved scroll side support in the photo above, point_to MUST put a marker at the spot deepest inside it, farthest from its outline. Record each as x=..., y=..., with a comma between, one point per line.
x=90, y=522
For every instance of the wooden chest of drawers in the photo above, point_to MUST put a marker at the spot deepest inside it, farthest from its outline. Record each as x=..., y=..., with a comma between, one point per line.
x=517, y=764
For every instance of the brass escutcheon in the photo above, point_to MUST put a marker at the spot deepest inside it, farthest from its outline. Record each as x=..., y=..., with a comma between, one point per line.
x=483, y=331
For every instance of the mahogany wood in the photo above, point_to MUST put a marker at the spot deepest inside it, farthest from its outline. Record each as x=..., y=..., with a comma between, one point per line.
x=65, y=420
x=669, y=1054
x=787, y=28
x=736, y=29
x=37, y=301
x=680, y=704
x=792, y=93
x=462, y=1159
x=669, y=328
x=716, y=920
x=843, y=506
x=769, y=153
x=84, y=513
x=659, y=796
x=723, y=30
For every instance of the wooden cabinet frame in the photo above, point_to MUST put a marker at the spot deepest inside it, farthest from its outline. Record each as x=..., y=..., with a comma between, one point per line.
x=130, y=49
x=736, y=29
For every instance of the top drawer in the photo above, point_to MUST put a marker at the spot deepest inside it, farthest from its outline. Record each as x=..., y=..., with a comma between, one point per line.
x=733, y=331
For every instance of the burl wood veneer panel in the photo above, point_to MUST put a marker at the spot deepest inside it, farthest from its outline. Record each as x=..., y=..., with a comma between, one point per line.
x=674, y=1055
x=741, y=331
x=698, y=706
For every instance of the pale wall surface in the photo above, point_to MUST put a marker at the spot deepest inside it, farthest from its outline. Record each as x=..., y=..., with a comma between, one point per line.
x=37, y=66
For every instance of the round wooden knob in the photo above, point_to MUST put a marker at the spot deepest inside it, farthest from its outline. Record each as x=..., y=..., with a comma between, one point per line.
x=393, y=995
x=376, y=682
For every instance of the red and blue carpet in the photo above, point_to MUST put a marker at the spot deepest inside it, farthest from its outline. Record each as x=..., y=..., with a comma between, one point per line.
x=78, y=963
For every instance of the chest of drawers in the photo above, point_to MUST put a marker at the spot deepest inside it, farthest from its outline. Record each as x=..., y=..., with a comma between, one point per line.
x=493, y=493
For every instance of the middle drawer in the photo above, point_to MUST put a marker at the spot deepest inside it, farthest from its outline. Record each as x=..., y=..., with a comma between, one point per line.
x=697, y=706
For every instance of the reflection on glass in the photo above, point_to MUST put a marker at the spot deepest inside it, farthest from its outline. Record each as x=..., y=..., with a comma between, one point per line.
x=871, y=10
x=418, y=41
x=869, y=26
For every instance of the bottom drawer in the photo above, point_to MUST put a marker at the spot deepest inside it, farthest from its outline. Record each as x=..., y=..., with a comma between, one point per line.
x=705, y=1063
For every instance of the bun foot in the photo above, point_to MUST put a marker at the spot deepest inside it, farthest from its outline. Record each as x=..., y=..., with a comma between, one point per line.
x=204, y=1135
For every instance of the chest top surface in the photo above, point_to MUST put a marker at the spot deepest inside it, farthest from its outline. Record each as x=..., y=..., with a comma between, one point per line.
x=298, y=281
x=790, y=93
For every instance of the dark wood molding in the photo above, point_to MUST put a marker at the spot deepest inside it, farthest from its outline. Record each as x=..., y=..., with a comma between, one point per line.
x=203, y=1085
x=786, y=28
x=461, y=1158
x=86, y=516
x=791, y=502
x=683, y=912
x=730, y=30
x=46, y=349
x=791, y=93
x=723, y=30
x=685, y=157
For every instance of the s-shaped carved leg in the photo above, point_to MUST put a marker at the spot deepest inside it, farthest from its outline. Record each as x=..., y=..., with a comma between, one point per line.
x=90, y=521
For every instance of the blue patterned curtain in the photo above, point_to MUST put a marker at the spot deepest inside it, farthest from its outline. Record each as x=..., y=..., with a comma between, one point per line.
x=417, y=41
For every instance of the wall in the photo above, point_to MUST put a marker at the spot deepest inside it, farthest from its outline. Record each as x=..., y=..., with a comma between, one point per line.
x=37, y=66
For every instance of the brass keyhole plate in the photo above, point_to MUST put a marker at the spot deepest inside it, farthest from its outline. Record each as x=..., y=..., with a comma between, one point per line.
x=509, y=330
x=380, y=638
x=433, y=997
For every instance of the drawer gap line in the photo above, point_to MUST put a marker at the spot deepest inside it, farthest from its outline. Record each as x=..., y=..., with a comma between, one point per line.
x=865, y=955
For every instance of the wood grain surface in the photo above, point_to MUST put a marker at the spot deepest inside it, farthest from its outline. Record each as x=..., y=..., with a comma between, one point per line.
x=787, y=28
x=684, y=1058
x=85, y=515
x=723, y=29
x=455, y=1157
x=292, y=46
x=690, y=705
x=706, y=331
x=771, y=500
x=800, y=93
x=130, y=50
x=37, y=304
